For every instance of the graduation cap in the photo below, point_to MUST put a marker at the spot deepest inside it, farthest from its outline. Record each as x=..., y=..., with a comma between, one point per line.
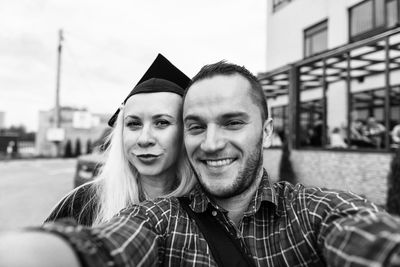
x=161, y=76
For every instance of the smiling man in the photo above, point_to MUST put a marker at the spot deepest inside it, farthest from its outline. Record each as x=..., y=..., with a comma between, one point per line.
x=226, y=125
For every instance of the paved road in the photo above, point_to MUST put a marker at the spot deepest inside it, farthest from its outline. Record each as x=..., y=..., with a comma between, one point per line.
x=30, y=188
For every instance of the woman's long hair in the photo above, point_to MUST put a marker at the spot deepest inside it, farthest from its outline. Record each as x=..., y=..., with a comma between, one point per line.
x=118, y=183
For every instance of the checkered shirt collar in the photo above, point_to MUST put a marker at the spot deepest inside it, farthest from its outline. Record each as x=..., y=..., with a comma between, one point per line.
x=264, y=194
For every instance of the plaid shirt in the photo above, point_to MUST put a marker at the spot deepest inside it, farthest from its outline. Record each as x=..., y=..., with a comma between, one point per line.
x=284, y=225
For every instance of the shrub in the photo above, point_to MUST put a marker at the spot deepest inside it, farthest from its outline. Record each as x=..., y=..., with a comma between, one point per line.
x=78, y=147
x=393, y=197
x=89, y=147
x=68, y=149
x=286, y=172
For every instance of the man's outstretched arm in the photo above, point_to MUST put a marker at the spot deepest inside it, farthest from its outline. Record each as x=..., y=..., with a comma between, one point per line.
x=353, y=231
x=39, y=249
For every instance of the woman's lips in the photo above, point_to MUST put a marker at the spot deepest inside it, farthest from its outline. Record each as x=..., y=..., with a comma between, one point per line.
x=147, y=158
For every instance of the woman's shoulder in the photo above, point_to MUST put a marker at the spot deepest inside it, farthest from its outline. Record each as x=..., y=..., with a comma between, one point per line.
x=79, y=204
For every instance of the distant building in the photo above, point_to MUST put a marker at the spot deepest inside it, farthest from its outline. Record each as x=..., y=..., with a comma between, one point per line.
x=15, y=142
x=2, y=119
x=75, y=124
x=333, y=70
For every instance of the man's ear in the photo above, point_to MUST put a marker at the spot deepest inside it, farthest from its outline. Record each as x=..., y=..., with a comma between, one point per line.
x=267, y=132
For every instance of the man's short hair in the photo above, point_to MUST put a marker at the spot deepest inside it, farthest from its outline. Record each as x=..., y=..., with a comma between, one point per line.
x=224, y=68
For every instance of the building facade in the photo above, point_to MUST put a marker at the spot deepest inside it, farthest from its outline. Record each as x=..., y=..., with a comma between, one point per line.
x=333, y=87
x=76, y=126
x=2, y=120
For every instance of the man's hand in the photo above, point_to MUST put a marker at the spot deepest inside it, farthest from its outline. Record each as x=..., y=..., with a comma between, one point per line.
x=35, y=249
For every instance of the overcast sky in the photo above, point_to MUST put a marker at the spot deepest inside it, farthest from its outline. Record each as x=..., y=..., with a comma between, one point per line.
x=109, y=44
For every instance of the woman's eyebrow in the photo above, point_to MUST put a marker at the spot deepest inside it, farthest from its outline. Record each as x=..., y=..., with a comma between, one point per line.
x=130, y=116
x=157, y=116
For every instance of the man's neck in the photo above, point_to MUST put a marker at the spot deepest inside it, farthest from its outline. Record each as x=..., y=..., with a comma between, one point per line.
x=237, y=205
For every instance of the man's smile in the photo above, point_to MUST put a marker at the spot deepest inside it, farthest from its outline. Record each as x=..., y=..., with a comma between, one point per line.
x=218, y=162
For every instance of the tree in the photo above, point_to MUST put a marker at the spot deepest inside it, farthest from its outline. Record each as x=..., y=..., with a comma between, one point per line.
x=286, y=172
x=393, y=197
x=68, y=149
x=88, y=146
x=78, y=147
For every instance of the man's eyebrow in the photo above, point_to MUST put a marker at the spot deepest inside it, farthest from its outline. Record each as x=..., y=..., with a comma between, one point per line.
x=191, y=117
x=231, y=115
x=226, y=116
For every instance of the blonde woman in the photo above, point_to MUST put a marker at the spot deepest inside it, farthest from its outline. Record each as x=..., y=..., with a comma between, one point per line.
x=145, y=158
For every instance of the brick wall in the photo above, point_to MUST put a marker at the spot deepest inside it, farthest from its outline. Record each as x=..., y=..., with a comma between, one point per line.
x=360, y=172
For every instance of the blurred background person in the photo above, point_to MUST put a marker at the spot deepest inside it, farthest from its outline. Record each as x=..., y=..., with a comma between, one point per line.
x=336, y=139
x=375, y=131
x=396, y=136
x=358, y=135
x=145, y=157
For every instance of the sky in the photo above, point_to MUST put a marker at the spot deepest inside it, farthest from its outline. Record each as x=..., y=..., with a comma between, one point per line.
x=108, y=45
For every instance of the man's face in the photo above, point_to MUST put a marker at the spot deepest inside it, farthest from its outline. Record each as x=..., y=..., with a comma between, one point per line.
x=223, y=134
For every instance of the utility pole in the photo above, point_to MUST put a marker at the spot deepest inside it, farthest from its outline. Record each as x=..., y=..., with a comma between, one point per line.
x=57, y=108
x=57, y=117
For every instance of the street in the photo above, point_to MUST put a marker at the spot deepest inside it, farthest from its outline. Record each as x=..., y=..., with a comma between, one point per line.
x=29, y=189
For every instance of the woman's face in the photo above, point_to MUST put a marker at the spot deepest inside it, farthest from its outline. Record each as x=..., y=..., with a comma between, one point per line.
x=152, y=132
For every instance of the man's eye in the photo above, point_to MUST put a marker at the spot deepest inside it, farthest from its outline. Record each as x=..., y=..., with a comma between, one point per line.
x=234, y=124
x=162, y=123
x=194, y=128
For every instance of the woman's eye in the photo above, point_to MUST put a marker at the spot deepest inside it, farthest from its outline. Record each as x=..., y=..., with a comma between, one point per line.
x=133, y=124
x=162, y=123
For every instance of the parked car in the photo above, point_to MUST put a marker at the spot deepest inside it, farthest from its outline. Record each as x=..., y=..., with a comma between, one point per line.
x=88, y=166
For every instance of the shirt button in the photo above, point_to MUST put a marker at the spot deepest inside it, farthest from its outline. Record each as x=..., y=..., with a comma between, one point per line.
x=214, y=213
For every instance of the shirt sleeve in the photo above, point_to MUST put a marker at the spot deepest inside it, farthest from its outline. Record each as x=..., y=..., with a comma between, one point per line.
x=354, y=232
x=129, y=239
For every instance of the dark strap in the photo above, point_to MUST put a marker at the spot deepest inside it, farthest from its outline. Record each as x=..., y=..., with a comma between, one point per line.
x=225, y=249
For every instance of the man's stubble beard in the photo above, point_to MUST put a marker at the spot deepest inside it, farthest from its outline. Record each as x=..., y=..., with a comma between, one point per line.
x=246, y=177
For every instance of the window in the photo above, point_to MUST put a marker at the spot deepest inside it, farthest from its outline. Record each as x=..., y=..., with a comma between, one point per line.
x=280, y=115
x=316, y=39
x=368, y=118
x=392, y=11
x=371, y=17
x=343, y=99
x=276, y=4
x=311, y=124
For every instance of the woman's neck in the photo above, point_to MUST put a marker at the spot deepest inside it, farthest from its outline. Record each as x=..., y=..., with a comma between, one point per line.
x=157, y=185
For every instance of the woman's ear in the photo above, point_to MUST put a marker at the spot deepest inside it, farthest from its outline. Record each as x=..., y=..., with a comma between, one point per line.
x=267, y=132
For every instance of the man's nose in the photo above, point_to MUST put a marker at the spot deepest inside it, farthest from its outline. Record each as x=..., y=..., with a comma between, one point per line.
x=146, y=137
x=213, y=141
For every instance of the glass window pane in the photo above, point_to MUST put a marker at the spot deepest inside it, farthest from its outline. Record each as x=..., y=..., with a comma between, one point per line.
x=391, y=11
x=278, y=115
x=395, y=117
x=361, y=18
x=307, y=44
x=379, y=13
x=311, y=123
x=320, y=42
x=316, y=39
x=367, y=128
